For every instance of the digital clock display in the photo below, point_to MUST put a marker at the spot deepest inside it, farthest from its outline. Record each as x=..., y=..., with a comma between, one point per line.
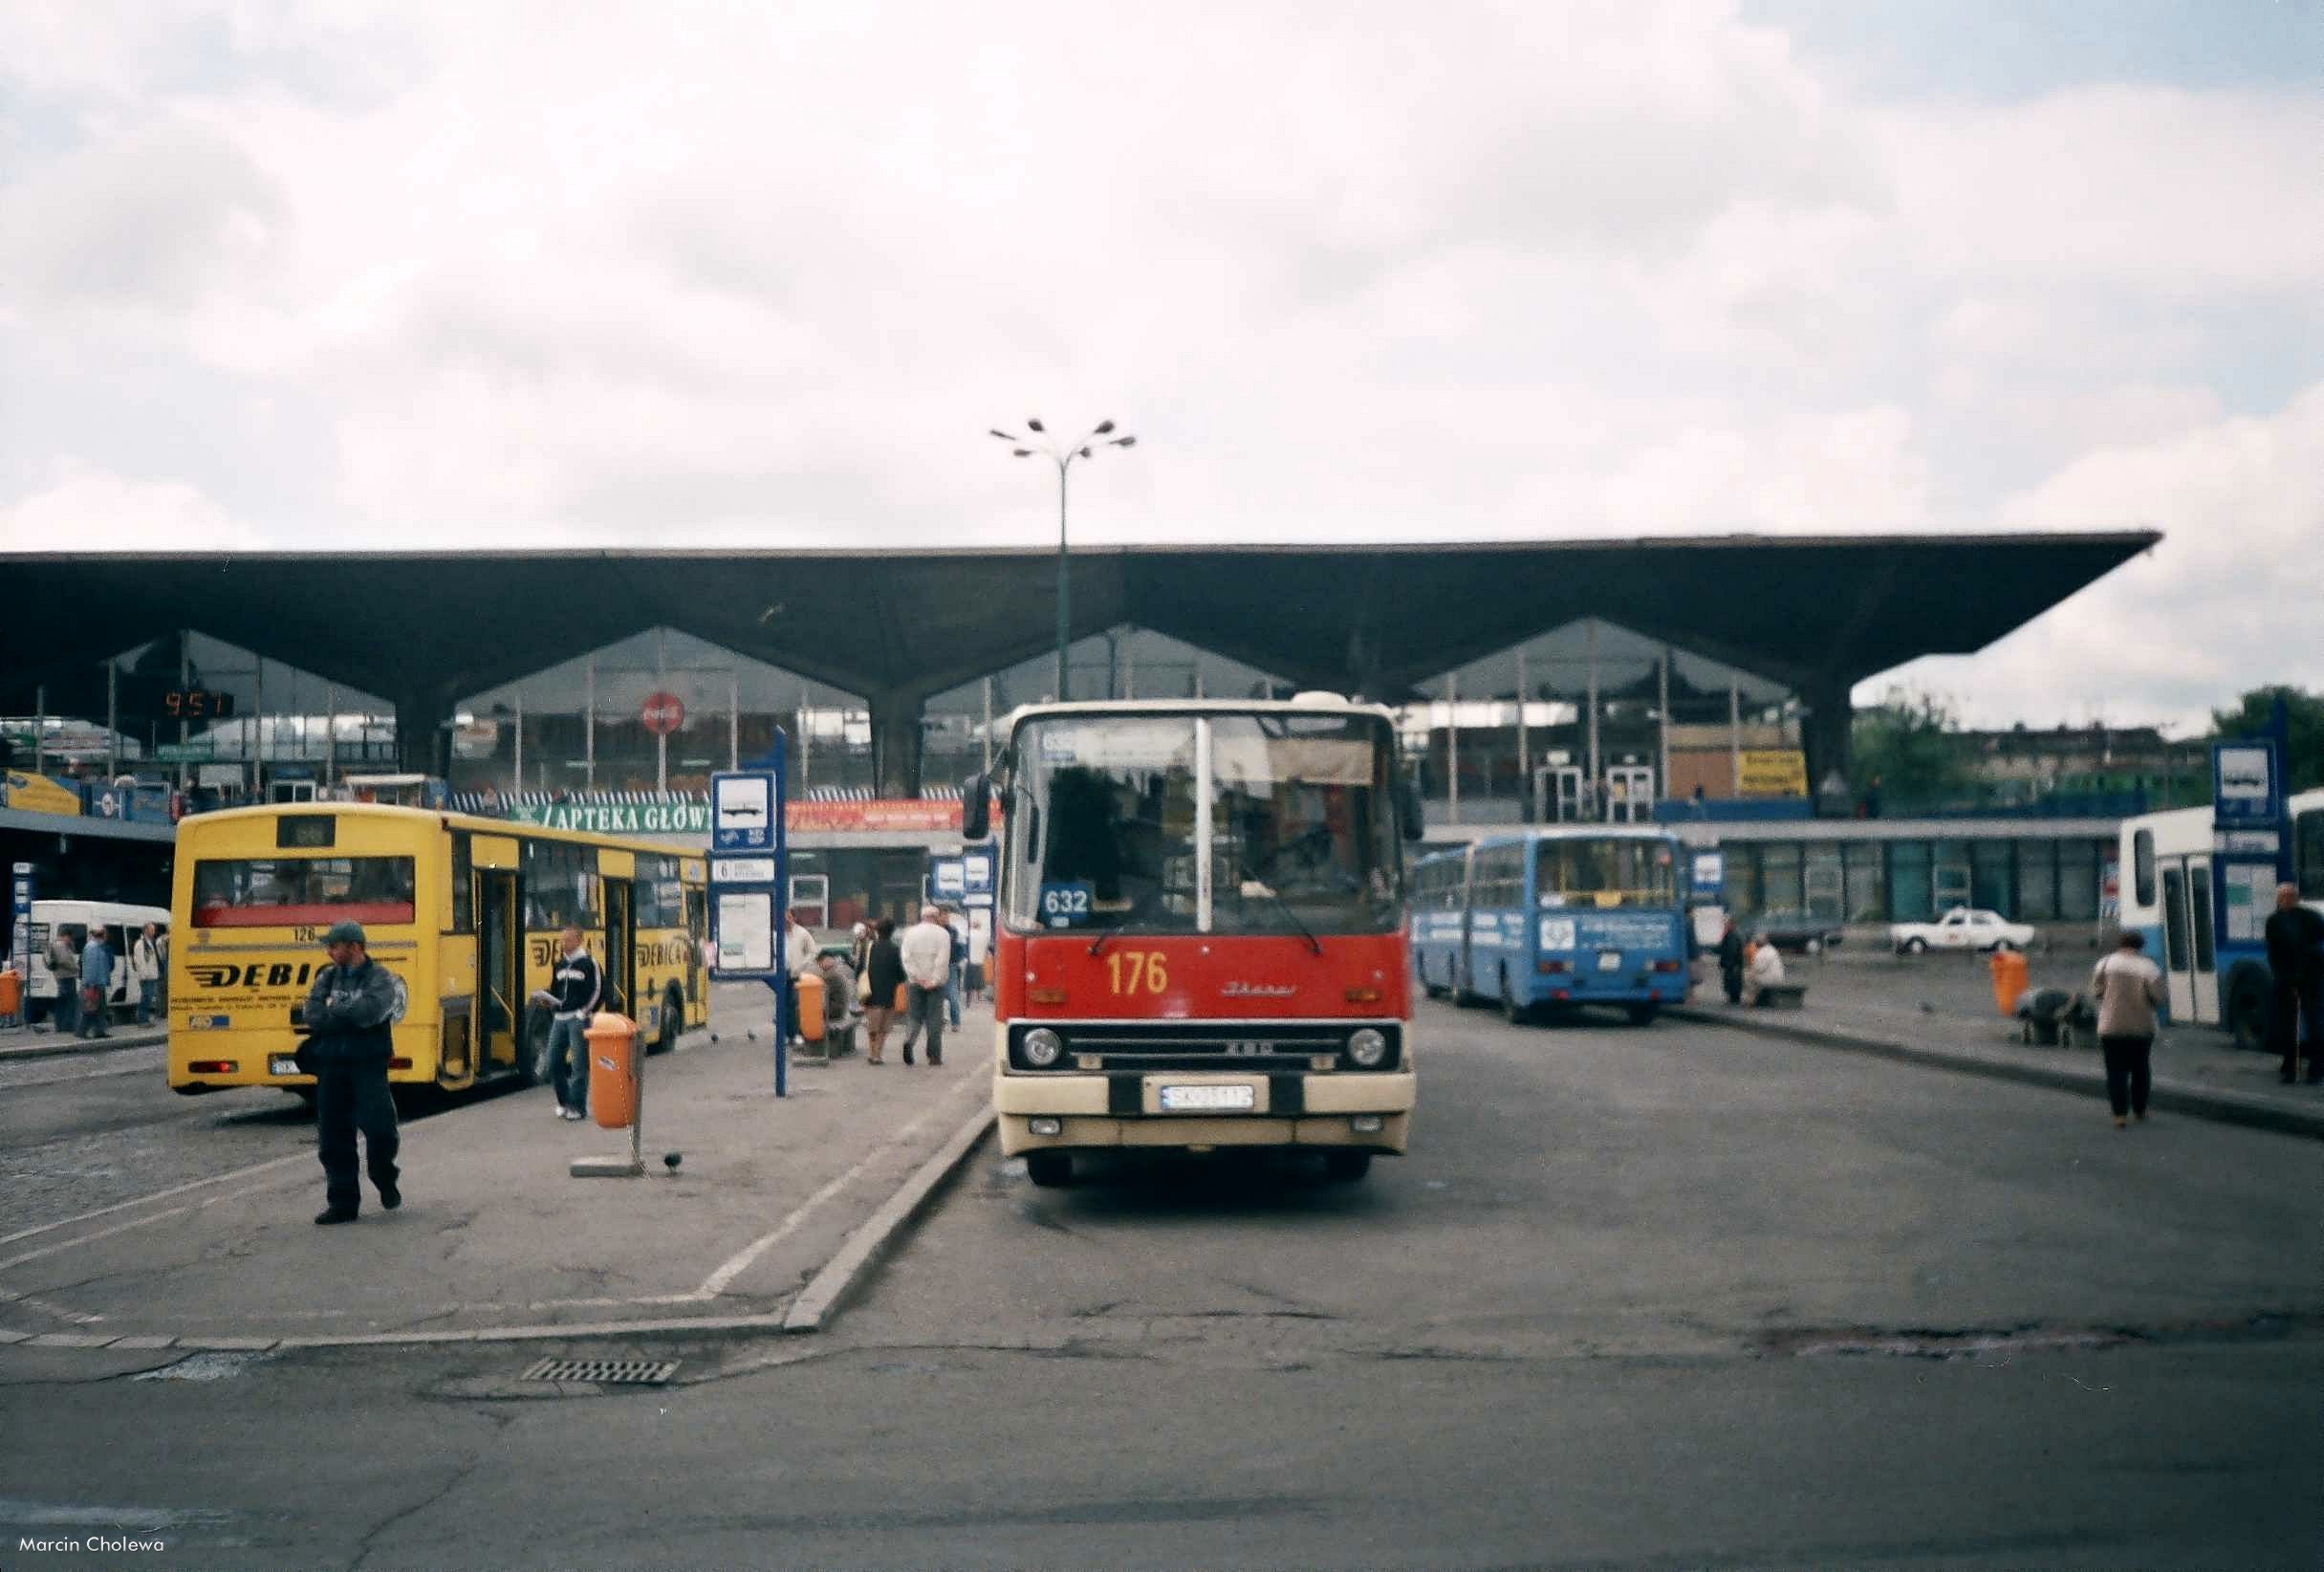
x=197, y=704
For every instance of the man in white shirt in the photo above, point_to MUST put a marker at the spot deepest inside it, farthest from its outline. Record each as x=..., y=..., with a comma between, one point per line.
x=926, y=949
x=1762, y=972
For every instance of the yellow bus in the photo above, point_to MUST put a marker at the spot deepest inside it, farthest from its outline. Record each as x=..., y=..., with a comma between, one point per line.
x=464, y=912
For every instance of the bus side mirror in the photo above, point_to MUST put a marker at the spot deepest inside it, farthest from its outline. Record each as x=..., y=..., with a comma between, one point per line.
x=976, y=808
x=1408, y=808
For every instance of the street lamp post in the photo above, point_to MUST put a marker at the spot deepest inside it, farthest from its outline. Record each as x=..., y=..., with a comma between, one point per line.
x=1063, y=458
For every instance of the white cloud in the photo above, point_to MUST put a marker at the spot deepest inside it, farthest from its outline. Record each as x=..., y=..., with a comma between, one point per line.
x=2224, y=605
x=89, y=510
x=622, y=274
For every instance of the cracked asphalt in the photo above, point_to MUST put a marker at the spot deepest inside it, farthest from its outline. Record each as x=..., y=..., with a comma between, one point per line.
x=1660, y=1299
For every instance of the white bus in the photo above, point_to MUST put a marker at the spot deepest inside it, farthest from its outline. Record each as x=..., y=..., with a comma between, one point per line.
x=2213, y=960
x=121, y=923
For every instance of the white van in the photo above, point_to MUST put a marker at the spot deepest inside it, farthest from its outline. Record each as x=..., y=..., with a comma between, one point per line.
x=123, y=924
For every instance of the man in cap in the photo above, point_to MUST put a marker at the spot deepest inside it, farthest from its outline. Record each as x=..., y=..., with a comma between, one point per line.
x=349, y=1019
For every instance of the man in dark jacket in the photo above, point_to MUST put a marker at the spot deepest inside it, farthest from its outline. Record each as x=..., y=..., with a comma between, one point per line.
x=1730, y=962
x=2296, y=963
x=348, y=1021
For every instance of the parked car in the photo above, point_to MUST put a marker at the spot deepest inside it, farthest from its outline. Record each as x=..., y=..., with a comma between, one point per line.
x=1964, y=928
x=1801, y=932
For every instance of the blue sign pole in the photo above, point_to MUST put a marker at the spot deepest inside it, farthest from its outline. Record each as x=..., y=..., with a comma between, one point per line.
x=751, y=870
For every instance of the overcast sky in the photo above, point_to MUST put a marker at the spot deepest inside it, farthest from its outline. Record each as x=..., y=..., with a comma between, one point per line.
x=278, y=273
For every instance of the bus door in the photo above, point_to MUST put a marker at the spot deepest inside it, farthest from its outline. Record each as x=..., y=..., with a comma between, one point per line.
x=1630, y=793
x=697, y=926
x=2190, y=962
x=1557, y=794
x=622, y=946
x=499, y=973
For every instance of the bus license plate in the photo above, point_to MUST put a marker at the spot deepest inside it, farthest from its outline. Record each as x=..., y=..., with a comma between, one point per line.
x=282, y=1064
x=1609, y=960
x=1207, y=1099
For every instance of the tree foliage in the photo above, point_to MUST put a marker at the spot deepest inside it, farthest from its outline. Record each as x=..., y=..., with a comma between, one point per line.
x=1909, y=743
x=2251, y=716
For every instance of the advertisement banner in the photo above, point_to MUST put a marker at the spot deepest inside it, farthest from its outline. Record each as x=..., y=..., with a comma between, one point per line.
x=31, y=794
x=1771, y=772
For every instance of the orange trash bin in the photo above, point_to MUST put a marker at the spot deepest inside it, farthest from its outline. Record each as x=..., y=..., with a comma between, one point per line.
x=810, y=989
x=613, y=1088
x=11, y=992
x=2009, y=974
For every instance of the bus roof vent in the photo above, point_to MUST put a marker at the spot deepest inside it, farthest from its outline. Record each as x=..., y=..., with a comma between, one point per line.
x=1319, y=695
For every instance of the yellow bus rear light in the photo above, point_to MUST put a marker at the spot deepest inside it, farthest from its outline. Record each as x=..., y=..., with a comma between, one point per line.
x=1365, y=1123
x=214, y=1067
x=398, y=1062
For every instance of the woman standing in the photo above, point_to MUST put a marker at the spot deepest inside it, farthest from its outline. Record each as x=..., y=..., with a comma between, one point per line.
x=2129, y=989
x=883, y=974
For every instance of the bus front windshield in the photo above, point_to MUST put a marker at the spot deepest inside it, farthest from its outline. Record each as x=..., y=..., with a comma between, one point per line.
x=1605, y=871
x=1104, y=812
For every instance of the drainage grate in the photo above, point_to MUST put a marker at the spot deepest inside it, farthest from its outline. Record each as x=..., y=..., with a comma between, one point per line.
x=635, y=1372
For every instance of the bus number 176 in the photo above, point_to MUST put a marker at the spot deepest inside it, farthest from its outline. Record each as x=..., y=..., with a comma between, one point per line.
x=1144, y=970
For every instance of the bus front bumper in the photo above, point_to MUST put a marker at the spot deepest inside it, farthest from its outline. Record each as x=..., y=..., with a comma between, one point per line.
x=1366, y=1112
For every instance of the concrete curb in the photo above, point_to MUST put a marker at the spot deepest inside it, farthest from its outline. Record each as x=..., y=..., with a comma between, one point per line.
x=2179, y=1097
x=70, y=1047
x=819, y=1303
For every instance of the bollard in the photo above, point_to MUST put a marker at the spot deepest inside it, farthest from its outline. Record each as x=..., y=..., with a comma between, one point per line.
x=617, y=1094
x=2009, y=974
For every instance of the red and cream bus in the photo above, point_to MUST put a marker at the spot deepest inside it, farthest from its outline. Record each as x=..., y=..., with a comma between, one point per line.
x=1151, y=995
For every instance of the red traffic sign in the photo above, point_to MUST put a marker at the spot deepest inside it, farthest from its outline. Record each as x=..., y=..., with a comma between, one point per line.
x=663, y=713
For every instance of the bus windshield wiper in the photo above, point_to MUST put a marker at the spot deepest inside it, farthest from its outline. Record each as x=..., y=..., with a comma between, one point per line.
x=1103, y=934
x=1288, y=911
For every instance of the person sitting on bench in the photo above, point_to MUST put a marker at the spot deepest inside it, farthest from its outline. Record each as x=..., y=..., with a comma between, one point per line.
x=1762, y=971
x=838, y=1003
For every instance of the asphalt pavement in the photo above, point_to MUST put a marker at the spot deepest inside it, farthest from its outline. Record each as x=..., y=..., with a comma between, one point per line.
x=1646, y=1297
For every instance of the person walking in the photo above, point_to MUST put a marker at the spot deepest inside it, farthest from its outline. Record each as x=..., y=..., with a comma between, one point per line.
x=883, y=976
x=859, y=948
x=576, y=984
x=95, y=986
x=926, y=949
x=1731, y=961
x=64, y=970
x=2129, y=989
x=2296, y=968
x=348, y=1021
x=145, y=971
x=958, y=926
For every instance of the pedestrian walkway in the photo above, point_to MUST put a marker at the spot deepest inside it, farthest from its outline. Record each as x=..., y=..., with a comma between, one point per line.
x=21, y=1042
x=1922, y=1010
x=495, y=1239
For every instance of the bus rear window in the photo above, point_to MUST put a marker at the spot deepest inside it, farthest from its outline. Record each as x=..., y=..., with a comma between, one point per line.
x=306, y=892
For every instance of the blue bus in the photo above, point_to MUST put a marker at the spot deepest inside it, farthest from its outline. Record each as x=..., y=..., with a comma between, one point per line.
x=1545, y=921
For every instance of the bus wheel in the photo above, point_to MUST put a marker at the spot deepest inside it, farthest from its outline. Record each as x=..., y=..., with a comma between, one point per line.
x=533, y=1066
x=1346, y=1166
x=1642, y=1014
x=1050, y=1170
x=673, y=1012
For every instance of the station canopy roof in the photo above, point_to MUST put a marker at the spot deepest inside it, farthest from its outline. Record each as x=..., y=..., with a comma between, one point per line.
x=900, y=626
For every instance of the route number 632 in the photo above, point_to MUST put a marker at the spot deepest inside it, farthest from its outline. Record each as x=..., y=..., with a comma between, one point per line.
x=1136, y=971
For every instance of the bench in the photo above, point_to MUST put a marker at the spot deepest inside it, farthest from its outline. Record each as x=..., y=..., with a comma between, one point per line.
x=1783, y=996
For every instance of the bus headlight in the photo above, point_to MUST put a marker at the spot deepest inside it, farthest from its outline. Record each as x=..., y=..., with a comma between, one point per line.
x=1041, y=1047
x=1367, y=1048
